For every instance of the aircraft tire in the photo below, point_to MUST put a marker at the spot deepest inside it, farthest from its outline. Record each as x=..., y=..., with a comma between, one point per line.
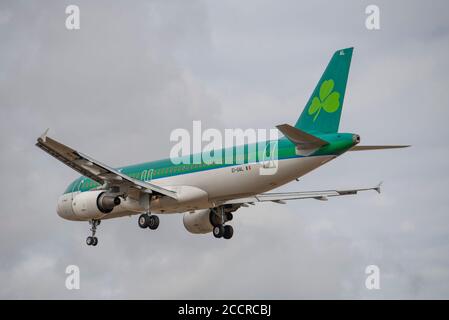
x=153, y=222
x=228, y=232
x=218, y=231
x=143, y=221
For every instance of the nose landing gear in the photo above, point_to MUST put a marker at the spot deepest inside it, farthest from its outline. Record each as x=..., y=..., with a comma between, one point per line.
x=93, y=240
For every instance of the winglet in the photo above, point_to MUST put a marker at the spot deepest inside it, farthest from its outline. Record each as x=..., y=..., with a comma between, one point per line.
x=43, y=137
x=377, y=188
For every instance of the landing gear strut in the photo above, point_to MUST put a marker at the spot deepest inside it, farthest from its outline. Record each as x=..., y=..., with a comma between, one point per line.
x=148, y=221
x=220, y=229
x=93, y=240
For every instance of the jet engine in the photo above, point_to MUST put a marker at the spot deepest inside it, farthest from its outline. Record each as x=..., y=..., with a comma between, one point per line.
x=87, y=205
x=200, y=221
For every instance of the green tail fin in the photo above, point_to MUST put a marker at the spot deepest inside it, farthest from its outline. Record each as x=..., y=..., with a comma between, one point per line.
x=323, y=110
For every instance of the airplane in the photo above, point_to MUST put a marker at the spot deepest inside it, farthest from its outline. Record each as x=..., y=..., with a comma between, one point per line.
x=207, y=194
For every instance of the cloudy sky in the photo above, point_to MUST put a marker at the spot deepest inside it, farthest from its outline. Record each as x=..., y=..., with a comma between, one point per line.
x=117, y=87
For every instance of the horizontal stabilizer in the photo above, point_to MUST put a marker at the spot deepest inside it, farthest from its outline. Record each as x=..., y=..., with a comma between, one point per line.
x=301, y=138
x=363, y=148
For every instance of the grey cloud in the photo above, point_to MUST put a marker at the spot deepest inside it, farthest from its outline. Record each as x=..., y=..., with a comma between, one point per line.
x=116, y=88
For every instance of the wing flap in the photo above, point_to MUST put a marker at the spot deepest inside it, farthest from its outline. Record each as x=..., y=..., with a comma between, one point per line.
x=71, y=158
x=281, y=197
x=94, y=169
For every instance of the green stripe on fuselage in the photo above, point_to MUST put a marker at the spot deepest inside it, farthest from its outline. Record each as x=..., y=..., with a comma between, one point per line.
x=245, y=154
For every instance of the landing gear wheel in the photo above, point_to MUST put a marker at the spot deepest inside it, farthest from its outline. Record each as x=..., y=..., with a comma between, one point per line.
x=229, y=216
x=218, y=231
x=143, y=220
x=228, y=232
x=92, y=240
x=153, y=222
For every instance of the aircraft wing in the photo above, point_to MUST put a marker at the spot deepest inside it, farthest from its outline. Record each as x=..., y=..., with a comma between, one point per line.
x=94, y=169
x=284, y=196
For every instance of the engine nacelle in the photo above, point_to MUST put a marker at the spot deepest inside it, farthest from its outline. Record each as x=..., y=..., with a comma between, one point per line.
x=200, y=221
x=87, y=205
x=94, y=204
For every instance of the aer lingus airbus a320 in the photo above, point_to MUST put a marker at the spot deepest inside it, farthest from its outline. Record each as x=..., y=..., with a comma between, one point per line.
x=208, y=193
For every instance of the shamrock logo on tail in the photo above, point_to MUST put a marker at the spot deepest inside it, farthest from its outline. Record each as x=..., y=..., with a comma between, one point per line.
x=327, y=100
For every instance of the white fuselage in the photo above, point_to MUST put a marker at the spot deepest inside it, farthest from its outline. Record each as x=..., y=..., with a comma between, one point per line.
x=203, y=189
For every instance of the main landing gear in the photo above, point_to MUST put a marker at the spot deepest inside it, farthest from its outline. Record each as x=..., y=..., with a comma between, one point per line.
x=220, y=229
x=223, y=231
x=93, y=240
x=148, y=221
